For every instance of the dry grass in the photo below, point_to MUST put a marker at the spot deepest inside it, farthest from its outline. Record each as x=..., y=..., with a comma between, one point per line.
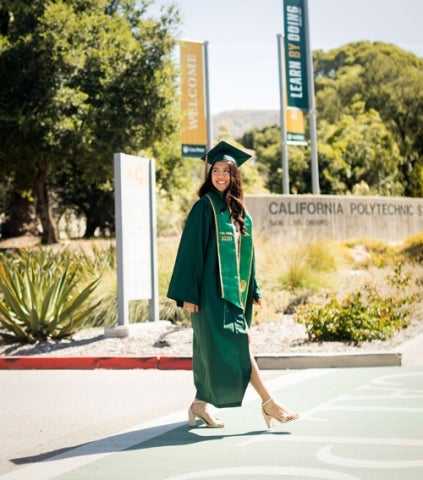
x=289, y=273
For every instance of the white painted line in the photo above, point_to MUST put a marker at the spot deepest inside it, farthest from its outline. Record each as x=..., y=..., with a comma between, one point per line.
x=261, y=471
x=408, y=442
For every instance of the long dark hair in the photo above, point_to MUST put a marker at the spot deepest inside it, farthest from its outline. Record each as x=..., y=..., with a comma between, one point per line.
x=233, y=195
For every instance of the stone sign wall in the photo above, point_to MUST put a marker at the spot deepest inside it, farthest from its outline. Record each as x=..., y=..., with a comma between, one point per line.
x=390, y=219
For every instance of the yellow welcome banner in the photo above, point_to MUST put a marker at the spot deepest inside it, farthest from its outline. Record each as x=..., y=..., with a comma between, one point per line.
x=194, y=120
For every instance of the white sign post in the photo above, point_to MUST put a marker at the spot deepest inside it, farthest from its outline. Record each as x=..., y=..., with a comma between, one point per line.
x=136, y=252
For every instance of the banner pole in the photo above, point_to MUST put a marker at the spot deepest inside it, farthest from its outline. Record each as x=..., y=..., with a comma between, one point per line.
x=312, y=106
x=206, y=86
x=284, y=145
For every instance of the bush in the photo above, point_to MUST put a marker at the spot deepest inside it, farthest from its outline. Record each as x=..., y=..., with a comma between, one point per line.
x=298, y=267
x=369, y=252
x=102, y=263
x=43, y=296
x=363, y=315
x=413, y=248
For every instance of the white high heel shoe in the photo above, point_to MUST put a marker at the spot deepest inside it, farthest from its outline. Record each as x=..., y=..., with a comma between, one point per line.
x=199, y=409
x=283, y=415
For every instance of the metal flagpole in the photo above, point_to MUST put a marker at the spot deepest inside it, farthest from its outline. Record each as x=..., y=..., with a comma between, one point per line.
x=206, y=81
x=284, y=145
x=312, y=106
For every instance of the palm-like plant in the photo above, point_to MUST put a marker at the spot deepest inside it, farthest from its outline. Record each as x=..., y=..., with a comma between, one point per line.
x=42, y=297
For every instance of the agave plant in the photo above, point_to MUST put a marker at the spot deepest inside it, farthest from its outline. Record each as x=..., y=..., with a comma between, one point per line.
x=42, y=298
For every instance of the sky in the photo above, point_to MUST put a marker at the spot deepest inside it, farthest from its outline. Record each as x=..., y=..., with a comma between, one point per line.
x=242, y=40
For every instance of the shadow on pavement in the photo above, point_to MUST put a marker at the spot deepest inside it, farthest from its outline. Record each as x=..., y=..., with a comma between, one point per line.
x=176, y=434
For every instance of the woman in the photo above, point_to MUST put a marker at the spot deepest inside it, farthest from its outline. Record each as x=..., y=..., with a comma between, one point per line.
x=214, y=280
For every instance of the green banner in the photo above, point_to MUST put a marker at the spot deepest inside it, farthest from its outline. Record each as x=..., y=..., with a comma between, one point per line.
x=295, y=54
x=193, y=150
x=295, y=138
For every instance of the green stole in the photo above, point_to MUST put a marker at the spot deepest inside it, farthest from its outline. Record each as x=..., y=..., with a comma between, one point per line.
x=235, y=268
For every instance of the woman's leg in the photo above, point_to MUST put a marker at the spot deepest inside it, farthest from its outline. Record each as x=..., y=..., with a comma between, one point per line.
x=257, y=382
x=271, y=408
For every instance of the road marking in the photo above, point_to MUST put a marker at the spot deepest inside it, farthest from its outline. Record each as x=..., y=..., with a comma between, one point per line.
x=409, y=442
x=300, y=472
x=325, y=455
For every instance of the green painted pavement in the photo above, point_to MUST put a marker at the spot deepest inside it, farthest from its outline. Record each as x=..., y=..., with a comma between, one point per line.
x=356, y=423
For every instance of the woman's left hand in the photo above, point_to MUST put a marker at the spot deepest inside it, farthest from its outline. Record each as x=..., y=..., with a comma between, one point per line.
x=190, y=307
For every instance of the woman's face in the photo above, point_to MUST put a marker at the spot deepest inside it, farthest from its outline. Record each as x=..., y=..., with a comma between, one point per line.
x=221, y=176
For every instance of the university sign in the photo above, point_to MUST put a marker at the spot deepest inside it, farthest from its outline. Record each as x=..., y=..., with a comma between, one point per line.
x=337, y=208
x=390, y=219
x=136, y=250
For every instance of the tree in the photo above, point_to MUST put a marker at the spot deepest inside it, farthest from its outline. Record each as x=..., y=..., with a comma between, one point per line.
x=224, y=132
x=388, y=80
x=369, y=102
x=89, y=199
x=266, y=143
x=82, y=79
x=359, y=155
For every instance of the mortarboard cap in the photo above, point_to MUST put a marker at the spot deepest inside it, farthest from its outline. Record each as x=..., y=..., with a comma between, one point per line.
x=225, y=151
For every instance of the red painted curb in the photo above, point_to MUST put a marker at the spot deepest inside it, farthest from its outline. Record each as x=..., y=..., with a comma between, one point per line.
x=175, y=363
x=90, y=363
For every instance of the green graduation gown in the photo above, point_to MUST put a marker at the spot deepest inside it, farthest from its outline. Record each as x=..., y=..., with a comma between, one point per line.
x=221, y=357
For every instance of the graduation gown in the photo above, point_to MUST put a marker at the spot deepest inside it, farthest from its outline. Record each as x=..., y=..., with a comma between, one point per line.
x=221, y=356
